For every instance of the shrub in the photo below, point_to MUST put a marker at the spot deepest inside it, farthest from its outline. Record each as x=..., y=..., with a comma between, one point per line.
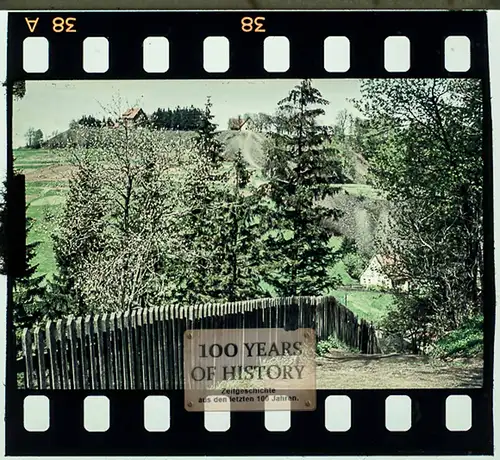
x=354, y=264
x=324, y=346
x=411, y=319
x=465, y=342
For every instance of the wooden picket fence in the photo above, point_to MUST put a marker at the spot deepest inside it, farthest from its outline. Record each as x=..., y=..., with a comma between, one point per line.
x=142, y=348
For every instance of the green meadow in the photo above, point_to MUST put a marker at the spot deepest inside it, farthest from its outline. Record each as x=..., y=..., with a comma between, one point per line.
x=46, y=187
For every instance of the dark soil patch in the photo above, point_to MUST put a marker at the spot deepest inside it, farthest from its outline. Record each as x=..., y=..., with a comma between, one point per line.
x=50, y=173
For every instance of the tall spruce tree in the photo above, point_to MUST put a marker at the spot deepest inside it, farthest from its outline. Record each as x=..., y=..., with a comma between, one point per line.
x=188, y=267
x=29, y=290
x=219, y=233
x=207, y=142
x=301, y=168
x=198, y=271
x=240, y=230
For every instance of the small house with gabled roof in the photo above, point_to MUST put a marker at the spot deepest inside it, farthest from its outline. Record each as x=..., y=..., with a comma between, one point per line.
x=134, y=116
x=375, y=276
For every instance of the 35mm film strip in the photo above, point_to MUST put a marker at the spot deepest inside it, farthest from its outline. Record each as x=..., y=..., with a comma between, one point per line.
x=426, y=72
x=121, y=39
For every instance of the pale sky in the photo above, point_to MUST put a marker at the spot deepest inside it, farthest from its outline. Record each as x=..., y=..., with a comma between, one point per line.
x=51, y=105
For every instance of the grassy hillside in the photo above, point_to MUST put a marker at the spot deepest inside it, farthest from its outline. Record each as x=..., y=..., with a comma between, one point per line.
x=364, y=209
x=46, y=186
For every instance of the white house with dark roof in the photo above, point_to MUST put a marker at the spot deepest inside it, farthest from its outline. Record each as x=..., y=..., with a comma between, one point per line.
x=374, y=275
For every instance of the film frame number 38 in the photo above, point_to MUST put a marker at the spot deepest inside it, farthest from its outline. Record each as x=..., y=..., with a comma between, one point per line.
x=360, y=151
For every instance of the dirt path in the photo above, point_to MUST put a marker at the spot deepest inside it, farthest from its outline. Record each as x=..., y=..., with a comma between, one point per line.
x=341, y=370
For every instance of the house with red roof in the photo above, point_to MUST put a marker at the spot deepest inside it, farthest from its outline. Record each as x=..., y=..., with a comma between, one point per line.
x=134, y=116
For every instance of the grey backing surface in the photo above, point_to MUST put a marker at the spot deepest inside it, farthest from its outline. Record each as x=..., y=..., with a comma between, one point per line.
x=245, y=4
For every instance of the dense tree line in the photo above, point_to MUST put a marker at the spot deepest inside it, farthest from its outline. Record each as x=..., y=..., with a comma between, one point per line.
x=178, y=119
x=90, y=121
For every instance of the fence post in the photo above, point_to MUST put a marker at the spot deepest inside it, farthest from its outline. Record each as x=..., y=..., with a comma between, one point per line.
x=101, y=352
x=175, y=345
x=169, y=328
x=137, y=356
x=143, y=355
x=127, y=346
x=40, y=349
x=159, y=344
x=27, y=343
x=146, y=354
x=154, y=348
x=80, y=330
x=179, y=340
x=165, y=327
x=292, y=320
x=122, y=351
x=50, y=334
x=61, y=334
x=110, y=371
x=113, y=334
x=89, y=332
x=175, y=324
x=75, y=368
